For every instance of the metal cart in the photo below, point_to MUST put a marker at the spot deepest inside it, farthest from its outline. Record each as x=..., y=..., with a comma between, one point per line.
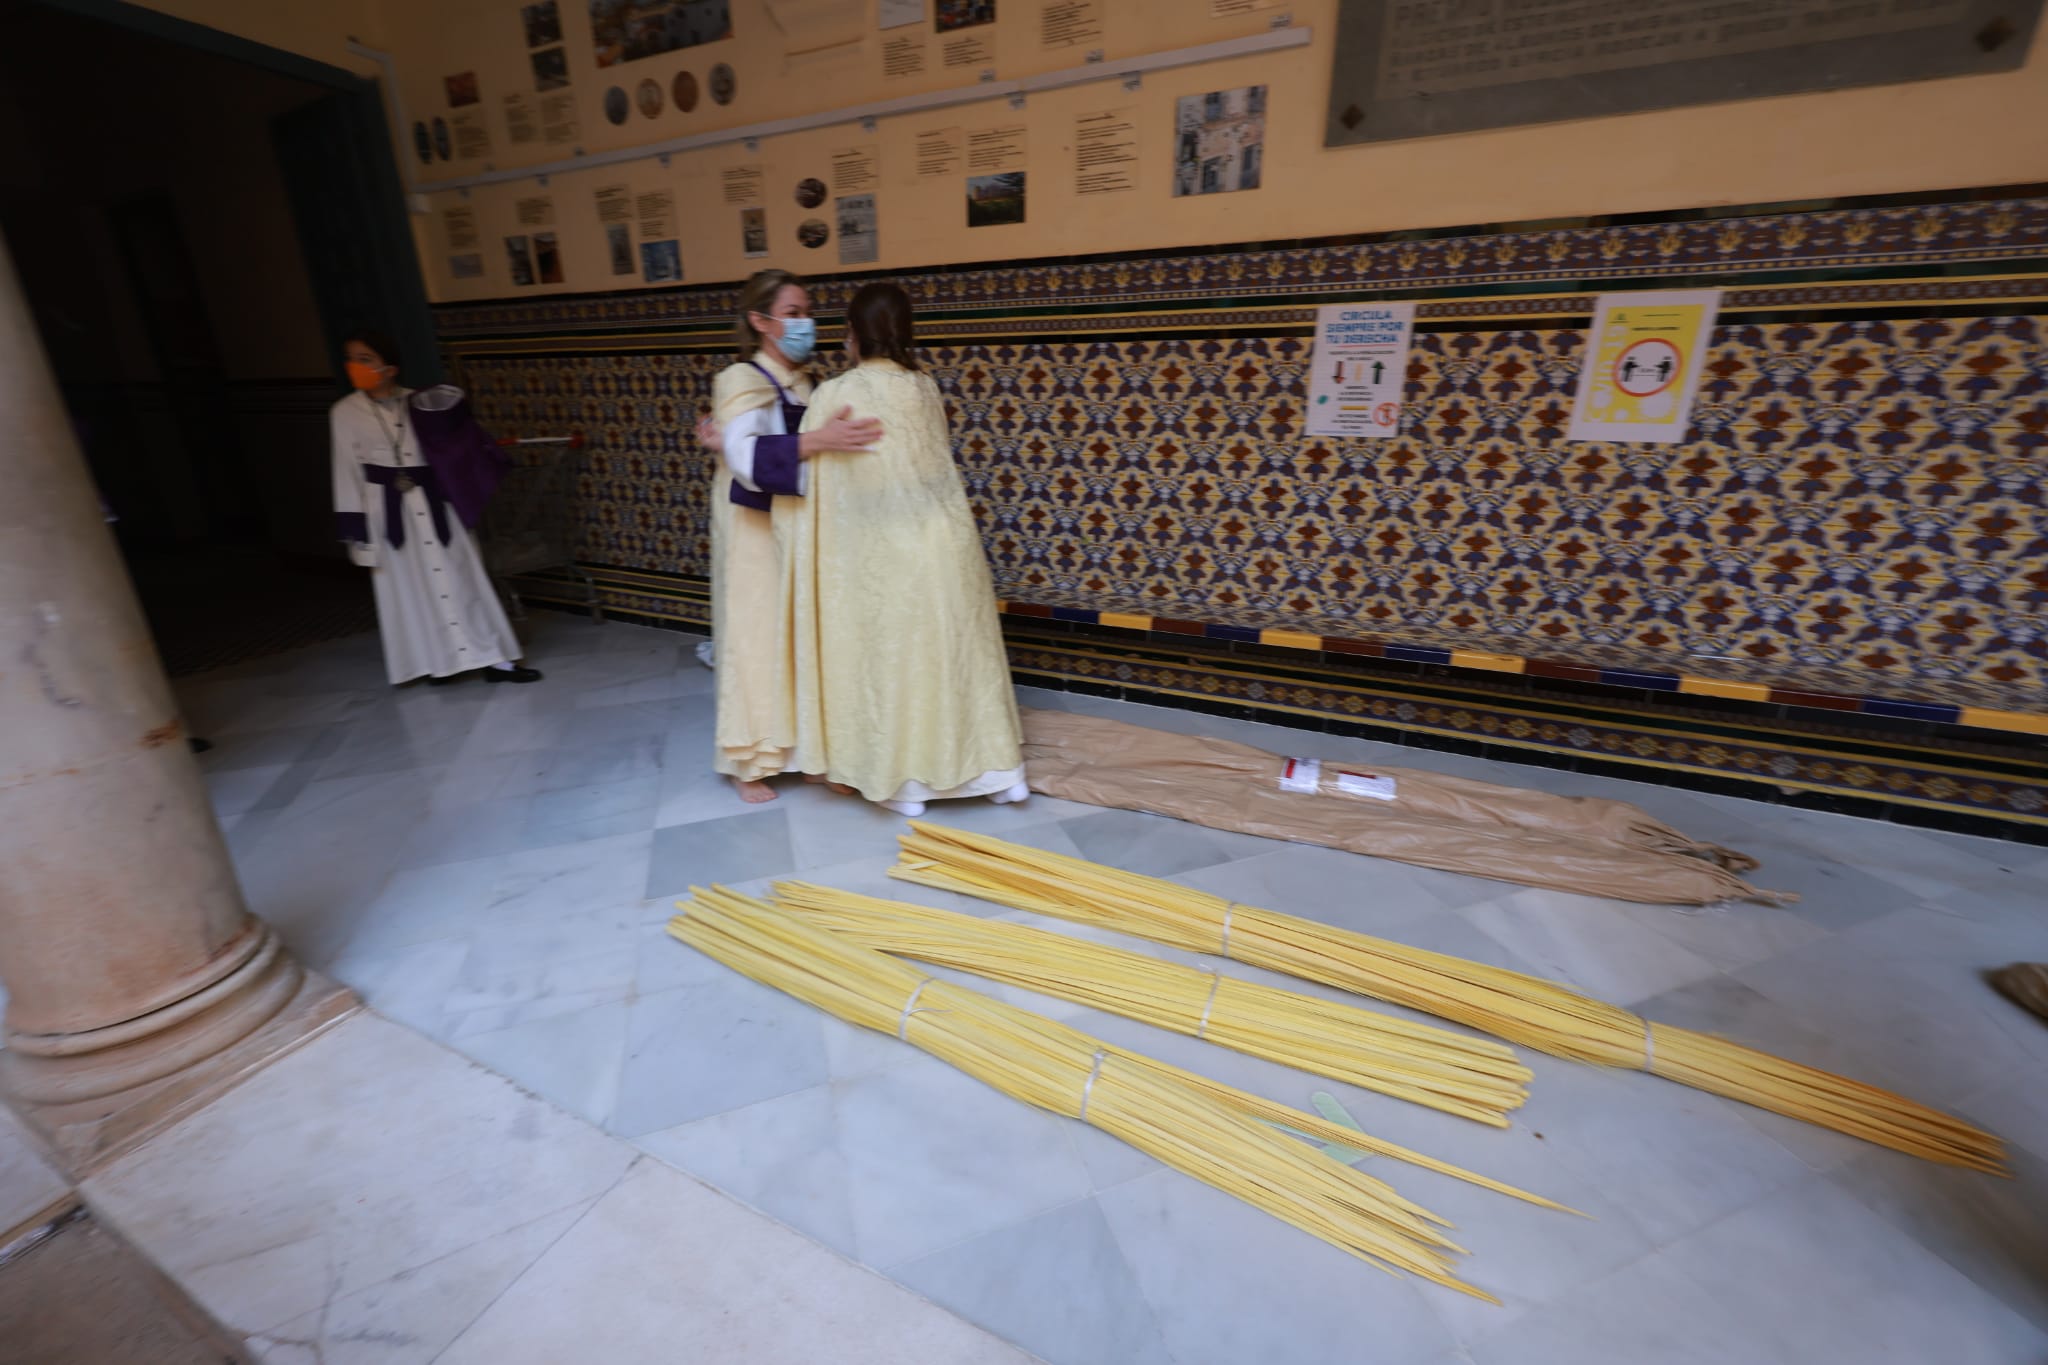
x=530, y=525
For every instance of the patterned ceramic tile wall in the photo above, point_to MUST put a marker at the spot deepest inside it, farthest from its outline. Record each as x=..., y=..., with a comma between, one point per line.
x=1867, y=495
x=1864, y=501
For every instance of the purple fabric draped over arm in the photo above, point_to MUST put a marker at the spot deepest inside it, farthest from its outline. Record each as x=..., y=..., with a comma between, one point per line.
x=466, y=462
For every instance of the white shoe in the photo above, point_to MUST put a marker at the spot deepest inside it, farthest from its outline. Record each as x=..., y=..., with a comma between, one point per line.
x=908, y=809
x=707, y=651
x=1011, y=795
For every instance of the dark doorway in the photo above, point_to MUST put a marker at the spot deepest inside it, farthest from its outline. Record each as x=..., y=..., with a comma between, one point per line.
x=195, y=227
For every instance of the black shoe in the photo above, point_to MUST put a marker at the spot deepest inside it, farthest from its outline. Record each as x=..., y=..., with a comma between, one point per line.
x=449, y=681
x=199, y=746
x=518, y=674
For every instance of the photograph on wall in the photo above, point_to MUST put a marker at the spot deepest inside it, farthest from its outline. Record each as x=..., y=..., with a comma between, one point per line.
x=814, y=232
x=461, y=89
x=753, y=232
x=423, y=142
x=959, y=14
x=1220, y=141
x=628, y=30
x=543, y=23
x=860, y=236
x=810, y=192
x=618, y=238
x=724, y=84
x=550, y=68
x=1642, y=366
x=547, y=257
x=649, y=98
x=684, y=92
x=995, y=200
x=662, y=262
x=519, y=253
x=616, y=105
x=467, y=265
x=897, y=13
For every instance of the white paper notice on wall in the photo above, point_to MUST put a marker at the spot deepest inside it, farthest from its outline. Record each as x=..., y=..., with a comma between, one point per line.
x=1359, y=369
x=1366, y=784
x=1301, y=776
x=1641, y=367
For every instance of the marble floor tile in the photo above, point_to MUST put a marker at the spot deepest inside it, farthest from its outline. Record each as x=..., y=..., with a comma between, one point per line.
x=1156, y=845
x=664, y=1269
x=1227, y=1283
x=725, y=1042
x=573, y=1061
x=1578, y=941
x=781, y=1156
x=1068, y=1256
x=1993, y=1231
x=28, y=1183
x=725, y=851
x=589, y=765
x=279, y=1197
x=591, y=875
x=572, y=815
x=1805, y=1276
x=459, y=834
x=1900, y=982
x=495, y=866
x=412, y=1317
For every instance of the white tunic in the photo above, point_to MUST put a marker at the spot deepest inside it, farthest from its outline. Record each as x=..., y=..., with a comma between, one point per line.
x=436, y=607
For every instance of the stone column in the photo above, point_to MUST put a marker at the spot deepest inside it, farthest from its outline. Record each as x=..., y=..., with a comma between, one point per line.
x=127, y=954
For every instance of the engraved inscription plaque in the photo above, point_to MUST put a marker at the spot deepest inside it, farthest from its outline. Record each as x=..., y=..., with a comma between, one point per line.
x=1413, y=68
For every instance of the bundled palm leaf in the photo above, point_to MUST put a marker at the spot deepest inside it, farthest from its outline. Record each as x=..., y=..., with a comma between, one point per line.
x=1509, y=1005
x=1453, y=1072
x=1199, y=1127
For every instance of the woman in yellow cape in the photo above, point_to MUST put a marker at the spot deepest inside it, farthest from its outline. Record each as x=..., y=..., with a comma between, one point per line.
x=756, y=408
x=900, y=682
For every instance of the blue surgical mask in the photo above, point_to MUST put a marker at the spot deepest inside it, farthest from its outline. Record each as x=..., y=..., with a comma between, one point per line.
x=799, y=338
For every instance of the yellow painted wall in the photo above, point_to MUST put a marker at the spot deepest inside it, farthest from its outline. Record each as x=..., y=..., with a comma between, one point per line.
x=1966, y=132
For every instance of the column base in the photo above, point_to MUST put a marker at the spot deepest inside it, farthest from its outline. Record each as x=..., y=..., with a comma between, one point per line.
x=84, y=1135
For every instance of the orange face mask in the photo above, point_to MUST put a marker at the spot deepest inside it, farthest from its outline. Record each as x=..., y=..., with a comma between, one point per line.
x=365, y=376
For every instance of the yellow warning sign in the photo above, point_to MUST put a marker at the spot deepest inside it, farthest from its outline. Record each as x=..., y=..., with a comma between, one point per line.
x=1643, y=361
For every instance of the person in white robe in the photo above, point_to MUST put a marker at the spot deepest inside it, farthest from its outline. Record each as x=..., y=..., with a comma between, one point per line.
x=758, y=404
x=437, y=611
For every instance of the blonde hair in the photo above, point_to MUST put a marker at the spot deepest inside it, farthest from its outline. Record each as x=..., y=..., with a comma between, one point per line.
x=757, y=295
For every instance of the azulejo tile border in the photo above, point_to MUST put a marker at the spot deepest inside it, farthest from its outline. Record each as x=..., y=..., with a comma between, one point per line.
x=1936, y=713
x=1855, y=238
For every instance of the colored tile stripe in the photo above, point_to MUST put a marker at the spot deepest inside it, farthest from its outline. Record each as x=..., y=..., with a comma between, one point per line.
x=1944, y=713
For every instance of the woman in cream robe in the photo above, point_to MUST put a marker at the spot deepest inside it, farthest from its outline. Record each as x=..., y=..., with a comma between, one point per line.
x=757, y=405
x=901, y=686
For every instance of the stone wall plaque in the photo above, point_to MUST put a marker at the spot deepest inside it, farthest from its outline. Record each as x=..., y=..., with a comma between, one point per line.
x=1415, y=68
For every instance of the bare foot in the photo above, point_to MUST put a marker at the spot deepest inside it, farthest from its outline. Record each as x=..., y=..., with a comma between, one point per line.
x=820, y=780
x=753, y=793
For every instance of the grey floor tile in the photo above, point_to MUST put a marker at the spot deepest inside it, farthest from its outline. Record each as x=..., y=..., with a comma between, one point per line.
x=736, y=848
